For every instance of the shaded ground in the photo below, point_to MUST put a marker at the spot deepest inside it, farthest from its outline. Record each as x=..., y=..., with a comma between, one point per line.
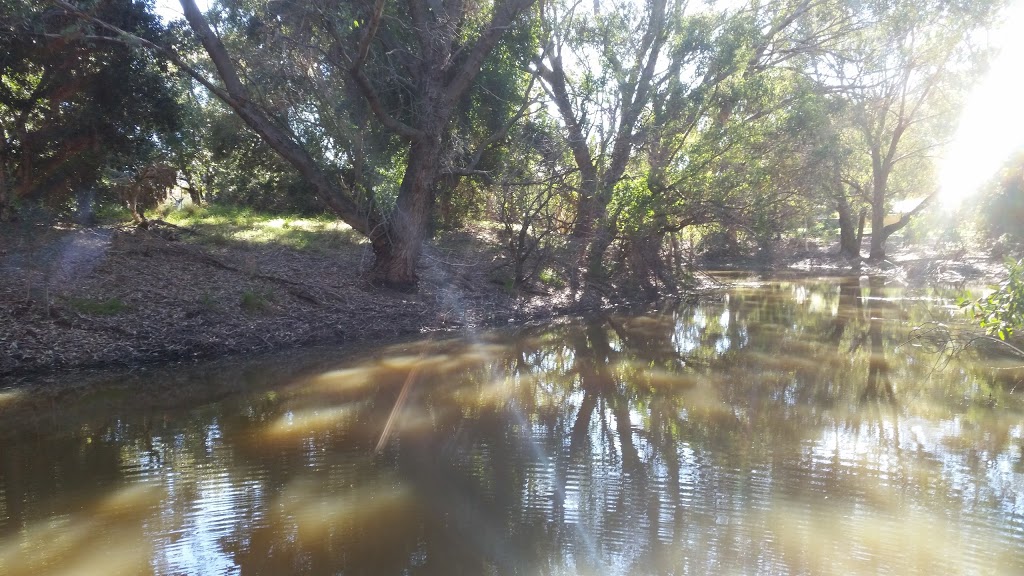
x=96, y=297
x=90, y=297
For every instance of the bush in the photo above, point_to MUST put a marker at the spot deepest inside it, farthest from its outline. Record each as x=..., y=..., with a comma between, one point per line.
x=256, y=300
x=1001, y=313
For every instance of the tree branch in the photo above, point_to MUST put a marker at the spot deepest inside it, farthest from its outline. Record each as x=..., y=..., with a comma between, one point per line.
x=504, y=15
x=905, y=219
x=365, y=86
x=235, y=96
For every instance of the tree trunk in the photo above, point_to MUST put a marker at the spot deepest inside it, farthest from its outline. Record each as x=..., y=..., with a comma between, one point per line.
x=646, y=263
x=847, y=233
x=880, y=183
x=601, y=240
x=877, y=253
x=195, y=193
x=397, y=247
x=6, y=205
x=862, y=221
x=848, y=238
x=6, y=211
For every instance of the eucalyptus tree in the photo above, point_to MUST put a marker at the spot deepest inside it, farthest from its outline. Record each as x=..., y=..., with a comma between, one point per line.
x=728, y=143
x=307, y=76
x=431, y=51
x=600, y=70
x=903, y=74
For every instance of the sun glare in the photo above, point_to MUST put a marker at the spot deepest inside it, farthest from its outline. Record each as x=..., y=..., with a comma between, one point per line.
x=169, y=10
x=992, y=124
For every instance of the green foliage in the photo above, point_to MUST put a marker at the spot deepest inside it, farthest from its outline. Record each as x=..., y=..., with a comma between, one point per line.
x=235, y=167
x=550, y=277
x=95, y=307
x=255, y=300
x=71, y=105
x=1001, y=313
x=529, y=199
x=753, y=123
x=1001, y=209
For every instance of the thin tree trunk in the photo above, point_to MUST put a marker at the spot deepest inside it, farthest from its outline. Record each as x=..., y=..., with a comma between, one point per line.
x=861, y=223
x=878, y=192
x=6, y=212
x=6, y=208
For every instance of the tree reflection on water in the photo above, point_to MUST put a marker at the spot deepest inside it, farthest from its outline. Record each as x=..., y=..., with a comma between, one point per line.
x=786, y=428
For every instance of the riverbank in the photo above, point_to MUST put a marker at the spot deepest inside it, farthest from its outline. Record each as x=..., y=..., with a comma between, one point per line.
x=77, y=297
x=114, y=296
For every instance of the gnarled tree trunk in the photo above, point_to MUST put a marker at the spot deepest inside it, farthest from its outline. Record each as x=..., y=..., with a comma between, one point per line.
x=850, y=230
x=397, y=248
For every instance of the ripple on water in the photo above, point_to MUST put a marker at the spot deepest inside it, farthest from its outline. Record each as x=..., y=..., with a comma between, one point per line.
x=541, y=489
x=4, y=518
x=711, y=473
x=220, y=508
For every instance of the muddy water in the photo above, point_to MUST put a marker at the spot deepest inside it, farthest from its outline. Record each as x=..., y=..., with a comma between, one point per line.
x=788, y=428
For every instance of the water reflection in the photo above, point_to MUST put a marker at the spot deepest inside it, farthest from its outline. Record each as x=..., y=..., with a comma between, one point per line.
x=786, y=428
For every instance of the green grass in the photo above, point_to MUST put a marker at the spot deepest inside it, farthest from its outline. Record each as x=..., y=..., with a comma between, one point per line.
x=226, y=225
x=256, y=300
x=207, y=301
x=95, y=307
x=551, y=278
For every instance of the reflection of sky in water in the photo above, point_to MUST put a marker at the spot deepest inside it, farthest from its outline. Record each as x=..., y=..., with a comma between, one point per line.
x=741, y=436
x=198, y=549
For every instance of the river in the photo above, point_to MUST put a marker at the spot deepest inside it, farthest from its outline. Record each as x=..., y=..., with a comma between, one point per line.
x=788, y=427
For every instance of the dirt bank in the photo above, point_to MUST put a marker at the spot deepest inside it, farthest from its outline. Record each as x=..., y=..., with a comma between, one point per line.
x=90, y=297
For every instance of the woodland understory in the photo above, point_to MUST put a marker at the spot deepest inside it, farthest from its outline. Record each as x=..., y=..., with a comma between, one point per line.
x=120, y=296
x=488, y=161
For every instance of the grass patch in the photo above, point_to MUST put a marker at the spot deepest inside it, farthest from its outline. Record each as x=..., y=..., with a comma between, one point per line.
x=207, y=301
x=95, y=307
x=256, y=300
x=551, y=278
x=225, y=225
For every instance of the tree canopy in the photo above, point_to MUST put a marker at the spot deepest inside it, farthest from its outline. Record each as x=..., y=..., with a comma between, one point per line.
x=75, y=100
x=605, y=140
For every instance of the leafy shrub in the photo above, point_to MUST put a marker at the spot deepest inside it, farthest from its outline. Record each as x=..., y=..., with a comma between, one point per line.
x=256, y=300
x=1001, y=312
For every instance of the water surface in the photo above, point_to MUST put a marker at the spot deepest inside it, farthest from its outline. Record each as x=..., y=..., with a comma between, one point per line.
x=786, y=428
